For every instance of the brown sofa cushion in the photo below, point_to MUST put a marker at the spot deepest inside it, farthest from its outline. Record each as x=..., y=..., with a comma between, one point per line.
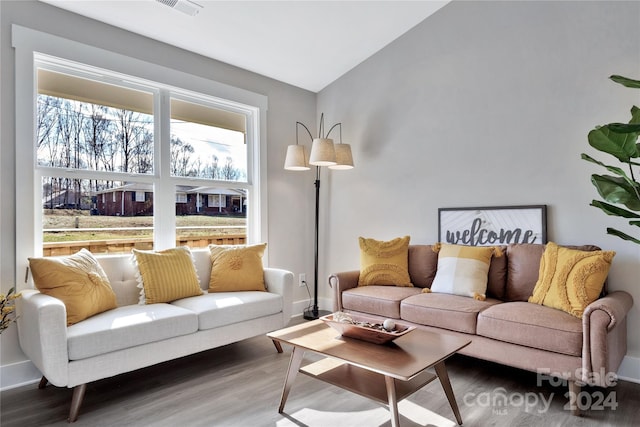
x=523, y=267
x=380, y=300
x=497, y=276
x=454, y=312
x=532, y=325
x=423, y=263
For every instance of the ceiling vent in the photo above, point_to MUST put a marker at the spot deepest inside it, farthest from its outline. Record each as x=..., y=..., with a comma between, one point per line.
x=184, y=6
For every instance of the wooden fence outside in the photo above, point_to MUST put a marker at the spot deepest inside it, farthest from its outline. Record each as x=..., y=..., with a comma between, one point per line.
x=118, y=246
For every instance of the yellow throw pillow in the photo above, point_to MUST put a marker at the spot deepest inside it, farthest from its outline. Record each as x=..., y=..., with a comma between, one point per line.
x=384, y=263
x=570, y=279
x=463, y=270
x=167, y=275
x=237, y=268
x=78, y=281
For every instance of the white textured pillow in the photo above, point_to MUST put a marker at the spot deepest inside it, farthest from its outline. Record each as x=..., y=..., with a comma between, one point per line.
x=463, y=270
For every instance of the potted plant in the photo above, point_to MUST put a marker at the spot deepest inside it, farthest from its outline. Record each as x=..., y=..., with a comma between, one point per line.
x=7, y=307
x=620, y=191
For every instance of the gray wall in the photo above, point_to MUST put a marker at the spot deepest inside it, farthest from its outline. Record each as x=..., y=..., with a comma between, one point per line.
x=485, y=104
x=290, y=217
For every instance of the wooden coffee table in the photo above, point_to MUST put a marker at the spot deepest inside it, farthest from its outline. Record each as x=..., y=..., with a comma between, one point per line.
x=386, y=373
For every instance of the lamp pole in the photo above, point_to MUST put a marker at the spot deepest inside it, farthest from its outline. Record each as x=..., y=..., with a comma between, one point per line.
x=323, y=153
x=314, y=313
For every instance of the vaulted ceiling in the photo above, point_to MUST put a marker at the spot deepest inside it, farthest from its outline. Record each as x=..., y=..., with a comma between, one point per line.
x=308, y=44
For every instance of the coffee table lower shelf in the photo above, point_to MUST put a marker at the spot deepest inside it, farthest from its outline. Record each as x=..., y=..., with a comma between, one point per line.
x=383, y=373
x=362, y=381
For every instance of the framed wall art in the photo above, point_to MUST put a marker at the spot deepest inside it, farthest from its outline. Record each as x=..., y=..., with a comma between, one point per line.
x=487, y=226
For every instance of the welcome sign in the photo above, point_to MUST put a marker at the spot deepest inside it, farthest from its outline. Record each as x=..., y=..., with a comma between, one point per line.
x=488, y=226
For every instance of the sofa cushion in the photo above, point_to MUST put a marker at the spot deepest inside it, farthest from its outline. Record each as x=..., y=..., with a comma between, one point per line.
x=384, y=263
x=237, y=268
x=453, y=312
x=532, y=325
x=77, y=280
x=122, y=276
x=379, y=300
x=128, y=326
x=523, y=267
x=463, y=270
x=523, y=264
x=166, y=275
x=497, y=280
x=217, y=309
x=570, y=279
x=423, y=263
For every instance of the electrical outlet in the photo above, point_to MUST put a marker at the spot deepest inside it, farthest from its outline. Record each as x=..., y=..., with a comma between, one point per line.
x=302, y=280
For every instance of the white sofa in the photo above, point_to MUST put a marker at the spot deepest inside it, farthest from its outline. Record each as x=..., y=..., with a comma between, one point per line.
x=134, y=336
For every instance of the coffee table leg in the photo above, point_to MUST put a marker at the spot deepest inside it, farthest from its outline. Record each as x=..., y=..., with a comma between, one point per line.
x=393, y=401
x=441, y=370
x=294, y=365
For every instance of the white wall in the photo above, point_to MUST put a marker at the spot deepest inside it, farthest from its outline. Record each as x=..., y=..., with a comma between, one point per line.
x=290, y=217
x=485, y=104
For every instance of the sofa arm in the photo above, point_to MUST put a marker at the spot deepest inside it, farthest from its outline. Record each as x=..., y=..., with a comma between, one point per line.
x=42, y=331
x=281, y=282
x=615, y=305
x=604, y=326
x=340, y=282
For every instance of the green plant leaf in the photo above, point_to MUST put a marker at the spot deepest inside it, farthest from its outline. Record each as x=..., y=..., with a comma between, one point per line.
x=617, y=190
x=624, y=127
x=636, y=223
x=625, y=81
x=635, y=115
x=614, y=210
x=622, y=235
x=612, y=169
x=620, y=145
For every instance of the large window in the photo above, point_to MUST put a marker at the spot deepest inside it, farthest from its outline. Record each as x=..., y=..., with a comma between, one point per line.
x=122, y=161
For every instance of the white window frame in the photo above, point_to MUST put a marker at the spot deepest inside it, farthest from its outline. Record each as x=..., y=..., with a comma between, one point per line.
x=181, y=197
x=31, y=44
x=141, y=196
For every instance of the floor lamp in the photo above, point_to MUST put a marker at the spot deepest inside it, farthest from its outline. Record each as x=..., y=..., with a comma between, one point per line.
x=323, y=153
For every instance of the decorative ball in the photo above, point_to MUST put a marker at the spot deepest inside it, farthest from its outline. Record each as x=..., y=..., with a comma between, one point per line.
x=389, y=325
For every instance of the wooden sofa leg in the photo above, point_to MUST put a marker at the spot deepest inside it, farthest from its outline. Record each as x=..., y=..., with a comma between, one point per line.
x=76, y=401
x=574, y=393
x=43, y=382
x=278, y=346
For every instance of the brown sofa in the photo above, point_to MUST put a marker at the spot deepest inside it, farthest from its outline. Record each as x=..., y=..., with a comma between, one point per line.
x=504, y=328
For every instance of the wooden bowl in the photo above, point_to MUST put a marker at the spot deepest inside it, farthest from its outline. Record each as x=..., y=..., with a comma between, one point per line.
x=373, y=334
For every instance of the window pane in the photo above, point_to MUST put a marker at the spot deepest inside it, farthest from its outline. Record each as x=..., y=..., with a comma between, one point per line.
x=211, y=215
x=108, y=128
x=101, y=216
x=201, y=147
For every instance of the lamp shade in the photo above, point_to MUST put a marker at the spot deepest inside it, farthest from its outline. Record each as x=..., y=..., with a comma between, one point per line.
x=296, y=159
x=323, y=152
x=344, y=159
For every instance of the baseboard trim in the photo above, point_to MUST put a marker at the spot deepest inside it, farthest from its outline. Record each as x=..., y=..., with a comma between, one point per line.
x=300, y=306
x=630, y=369
x=18, y=374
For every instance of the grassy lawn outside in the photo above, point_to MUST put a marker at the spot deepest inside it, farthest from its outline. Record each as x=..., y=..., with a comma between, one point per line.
x=69, y=225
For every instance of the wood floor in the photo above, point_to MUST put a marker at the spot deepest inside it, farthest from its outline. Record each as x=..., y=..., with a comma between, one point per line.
x=240, y=385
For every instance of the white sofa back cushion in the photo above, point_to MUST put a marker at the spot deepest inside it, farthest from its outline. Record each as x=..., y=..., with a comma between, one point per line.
x=122, y=274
